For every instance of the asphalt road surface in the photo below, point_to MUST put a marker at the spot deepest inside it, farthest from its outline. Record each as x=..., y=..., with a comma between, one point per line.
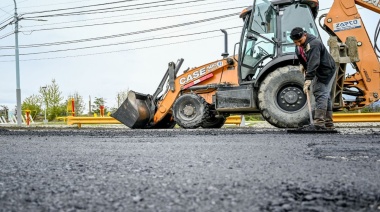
x=229, y=169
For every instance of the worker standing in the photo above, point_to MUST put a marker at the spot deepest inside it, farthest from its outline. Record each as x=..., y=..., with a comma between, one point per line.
x=319, y=67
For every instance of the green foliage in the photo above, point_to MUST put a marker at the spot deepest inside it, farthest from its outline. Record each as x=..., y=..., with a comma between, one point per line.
x=96, y=106
x=52, y=98
x=121, y=96
x=4, y=111
x=32, y=103
x=371, y=109
x=255, y=117
x=56, y=111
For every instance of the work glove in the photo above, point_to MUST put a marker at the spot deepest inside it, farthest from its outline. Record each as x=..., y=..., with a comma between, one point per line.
x=302, y=69
x=306, y=86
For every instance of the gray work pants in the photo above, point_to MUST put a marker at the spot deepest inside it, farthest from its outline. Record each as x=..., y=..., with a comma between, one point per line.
x=322, y=94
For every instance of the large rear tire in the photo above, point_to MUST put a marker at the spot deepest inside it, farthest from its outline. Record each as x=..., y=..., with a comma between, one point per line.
x=281, y=99
x=190, y=111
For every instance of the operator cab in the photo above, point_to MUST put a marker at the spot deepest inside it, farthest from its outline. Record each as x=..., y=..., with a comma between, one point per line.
x=265, y=36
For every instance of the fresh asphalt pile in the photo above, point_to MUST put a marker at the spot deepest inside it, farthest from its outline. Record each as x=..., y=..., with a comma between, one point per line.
x=228, y=169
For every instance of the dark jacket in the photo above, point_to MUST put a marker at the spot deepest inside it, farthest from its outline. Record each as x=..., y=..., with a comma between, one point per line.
x=319, y=61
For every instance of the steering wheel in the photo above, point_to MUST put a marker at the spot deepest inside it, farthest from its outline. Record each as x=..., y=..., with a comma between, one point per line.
x=262, y=51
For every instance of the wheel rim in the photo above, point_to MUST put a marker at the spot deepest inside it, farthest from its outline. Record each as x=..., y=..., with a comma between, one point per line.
x=290, y=97
x=187, y=110
x=190, y=111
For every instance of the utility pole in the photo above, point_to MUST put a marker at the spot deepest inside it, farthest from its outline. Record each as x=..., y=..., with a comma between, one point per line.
x=18, y=89
x=89, y=105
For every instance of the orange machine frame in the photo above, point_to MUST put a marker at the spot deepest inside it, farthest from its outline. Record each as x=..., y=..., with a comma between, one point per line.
x=367, y=77
x=215, y=72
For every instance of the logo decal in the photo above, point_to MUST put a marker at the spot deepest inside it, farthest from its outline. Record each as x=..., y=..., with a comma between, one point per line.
x=367, y=76
x=347, y=25
x=199, y=73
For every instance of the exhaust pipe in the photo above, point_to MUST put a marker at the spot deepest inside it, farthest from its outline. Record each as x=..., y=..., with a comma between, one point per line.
x=225, y=54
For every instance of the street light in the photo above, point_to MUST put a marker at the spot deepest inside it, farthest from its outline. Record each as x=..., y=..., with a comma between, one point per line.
x=44, y=89
x=18, y=89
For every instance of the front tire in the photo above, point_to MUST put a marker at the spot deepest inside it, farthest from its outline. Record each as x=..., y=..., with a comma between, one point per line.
x=190, y=111
x=281, y=99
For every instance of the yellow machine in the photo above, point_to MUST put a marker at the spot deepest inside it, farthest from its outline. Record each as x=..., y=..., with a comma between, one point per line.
x=263, y=77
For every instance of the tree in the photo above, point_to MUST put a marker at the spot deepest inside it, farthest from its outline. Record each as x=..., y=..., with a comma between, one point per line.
x=121, y=96
x=4, y=111
x=32, y=103
x=79, y=104
x=53, y=100
x=97, y=103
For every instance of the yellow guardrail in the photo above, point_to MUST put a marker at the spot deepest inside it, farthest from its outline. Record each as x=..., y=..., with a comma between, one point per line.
x=90, y=120
x=63, y=118
x=233, y=120
x=71, y=120
x=338, y=118
x=356, y=117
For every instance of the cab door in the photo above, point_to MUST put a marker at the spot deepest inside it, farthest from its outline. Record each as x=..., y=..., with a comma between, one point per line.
x=257, y=45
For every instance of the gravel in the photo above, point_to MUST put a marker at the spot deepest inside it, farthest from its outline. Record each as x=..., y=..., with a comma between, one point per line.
x=255, y=168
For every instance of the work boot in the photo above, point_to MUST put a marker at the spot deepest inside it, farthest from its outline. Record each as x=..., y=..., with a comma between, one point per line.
x=329, y=124
x=319, y=119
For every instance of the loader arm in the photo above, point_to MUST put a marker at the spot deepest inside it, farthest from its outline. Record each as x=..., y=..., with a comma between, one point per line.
x=207, y=74
x=343, y=20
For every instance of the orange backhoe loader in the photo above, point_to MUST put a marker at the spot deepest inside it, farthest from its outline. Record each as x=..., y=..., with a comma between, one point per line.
x=264, y=77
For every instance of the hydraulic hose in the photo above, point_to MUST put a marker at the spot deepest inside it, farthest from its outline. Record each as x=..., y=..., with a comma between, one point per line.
x=376, y=47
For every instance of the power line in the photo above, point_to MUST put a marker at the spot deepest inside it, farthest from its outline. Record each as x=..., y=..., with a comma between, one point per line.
x=150, y=37
x=138, y=13
x=71, y=8
x=6, y=11
x=128, y=42
x=107, y=10
x=40, y=5
x=70, y=2
x=135, y=20
x=3, y=27
x=6, y=35
x=127, y=34
x=194, y=27
x=11, y=5
x=5, y=20
x=99, y=53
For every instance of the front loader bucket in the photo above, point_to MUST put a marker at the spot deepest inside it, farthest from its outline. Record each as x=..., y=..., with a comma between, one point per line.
x=136, y=111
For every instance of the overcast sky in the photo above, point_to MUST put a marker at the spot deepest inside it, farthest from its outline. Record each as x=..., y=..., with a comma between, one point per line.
x=119, y=50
